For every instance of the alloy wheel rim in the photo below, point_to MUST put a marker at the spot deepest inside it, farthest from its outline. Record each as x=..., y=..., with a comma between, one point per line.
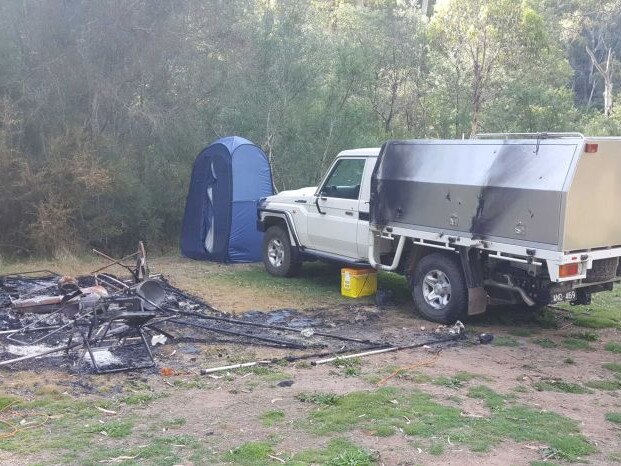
x=276, y=252
x=436, y=289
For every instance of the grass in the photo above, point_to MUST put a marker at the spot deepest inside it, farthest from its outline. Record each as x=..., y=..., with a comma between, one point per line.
x=576, y=344
x=557, y=385
x=415, y=413
x=76, y=432
x=614, y=367
x=350, y=366
x=269, y=418
x=456, y=381
x=569, y=360
x=114, y=429
x=339, y=452
x=545, y=343
x=586, y=335
x=521, y=332
x=613, y=347
x=608, y=385
x=604, y=312
x=141, y=398
x=250, y=453
x=503, y=340
x=614, y=417
x=326, y=399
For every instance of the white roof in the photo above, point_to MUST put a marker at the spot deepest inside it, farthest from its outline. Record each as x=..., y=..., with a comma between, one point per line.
x=364, y=152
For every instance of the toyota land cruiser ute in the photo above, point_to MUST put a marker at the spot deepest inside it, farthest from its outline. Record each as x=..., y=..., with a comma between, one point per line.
x=502, y=219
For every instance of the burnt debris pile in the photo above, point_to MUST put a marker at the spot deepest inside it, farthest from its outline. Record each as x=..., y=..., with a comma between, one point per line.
x=104, y=323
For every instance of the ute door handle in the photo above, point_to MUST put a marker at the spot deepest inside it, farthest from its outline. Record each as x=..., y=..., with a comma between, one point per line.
x=349, y=212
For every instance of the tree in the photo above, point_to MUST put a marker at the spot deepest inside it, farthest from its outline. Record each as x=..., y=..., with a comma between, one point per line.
x=482, y=43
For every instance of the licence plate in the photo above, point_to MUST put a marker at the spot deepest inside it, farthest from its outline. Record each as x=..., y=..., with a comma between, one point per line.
x=565, y=296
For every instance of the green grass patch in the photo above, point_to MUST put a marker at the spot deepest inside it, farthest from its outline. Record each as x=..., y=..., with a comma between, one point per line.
x=339, y=452
x=545, y=343
x=604, y=312
x=436, y=448
x=492, y=399
x=250, y=453
x=546, y=318
x=614, y=417
x=269, y=418
x=503, y=340
x=70, y=425
x=521, y=332
x=608, y=385
x=614, y=367
x=586, y=335
x=613, y=347
x=175, y=423
x=411, y=375
x=350, y=366
x=319, y=398
x=417, y=414
x=160, y=451
x=456, y=381
x=557, y=385
x=576, y=344
x=569, y=360
x=142, y=398
x=114, y=429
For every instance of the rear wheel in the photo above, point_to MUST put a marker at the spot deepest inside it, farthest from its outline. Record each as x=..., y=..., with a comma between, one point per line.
x=439, y=288
x=279, y=256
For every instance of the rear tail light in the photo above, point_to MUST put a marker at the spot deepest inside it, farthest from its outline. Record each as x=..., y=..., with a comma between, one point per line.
x=591, y=148
x=569, y=270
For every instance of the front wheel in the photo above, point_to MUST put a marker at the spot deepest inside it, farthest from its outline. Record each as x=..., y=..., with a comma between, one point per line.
x=279, y=256
x=439, y=288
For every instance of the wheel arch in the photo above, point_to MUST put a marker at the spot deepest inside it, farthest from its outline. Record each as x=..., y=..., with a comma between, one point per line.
x=282, y=219
x=412, y=254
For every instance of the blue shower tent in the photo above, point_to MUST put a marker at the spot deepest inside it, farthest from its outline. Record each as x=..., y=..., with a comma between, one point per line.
x=219, y=224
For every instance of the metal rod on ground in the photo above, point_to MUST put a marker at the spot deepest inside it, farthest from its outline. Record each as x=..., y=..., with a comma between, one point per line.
x=272, y=327
x=272, y=361
x=384, y=350
x=45, y=353
x=234, y=366
x=288, y=344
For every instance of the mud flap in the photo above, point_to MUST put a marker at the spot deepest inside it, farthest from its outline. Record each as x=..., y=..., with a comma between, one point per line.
x=477, y=296
x=477, y=301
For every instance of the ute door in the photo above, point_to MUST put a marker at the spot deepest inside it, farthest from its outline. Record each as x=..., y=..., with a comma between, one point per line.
x=363, y=209
x=333, y=227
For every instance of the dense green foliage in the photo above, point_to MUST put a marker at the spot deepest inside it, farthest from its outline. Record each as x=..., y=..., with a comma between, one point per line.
x=104, y=104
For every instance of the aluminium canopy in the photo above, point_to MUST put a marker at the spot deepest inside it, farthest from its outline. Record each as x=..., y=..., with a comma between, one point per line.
x=219, y=224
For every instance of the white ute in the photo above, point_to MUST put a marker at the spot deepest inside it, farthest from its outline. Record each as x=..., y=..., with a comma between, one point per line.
x=502, y=219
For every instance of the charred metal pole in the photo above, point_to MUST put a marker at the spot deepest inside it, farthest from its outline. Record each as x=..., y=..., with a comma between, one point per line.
x=273, y=327
x=288, y=344
x=384, y=350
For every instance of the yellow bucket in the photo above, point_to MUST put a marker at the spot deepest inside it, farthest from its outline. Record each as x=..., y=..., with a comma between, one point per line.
x=356, y=283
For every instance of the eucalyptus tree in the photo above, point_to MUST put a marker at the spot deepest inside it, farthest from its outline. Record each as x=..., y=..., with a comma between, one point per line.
x=480, y=45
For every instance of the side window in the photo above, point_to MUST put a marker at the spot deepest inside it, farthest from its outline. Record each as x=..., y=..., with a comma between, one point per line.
x=344, y=181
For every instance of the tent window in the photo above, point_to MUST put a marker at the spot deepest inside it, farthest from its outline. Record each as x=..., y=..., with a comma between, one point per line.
x=344, y=181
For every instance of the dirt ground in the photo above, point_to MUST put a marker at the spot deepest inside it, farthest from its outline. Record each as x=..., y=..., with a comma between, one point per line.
x=227, y=410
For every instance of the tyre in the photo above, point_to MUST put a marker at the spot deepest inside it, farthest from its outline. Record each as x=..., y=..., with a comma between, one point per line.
x=279, y=256
x=439, y=288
